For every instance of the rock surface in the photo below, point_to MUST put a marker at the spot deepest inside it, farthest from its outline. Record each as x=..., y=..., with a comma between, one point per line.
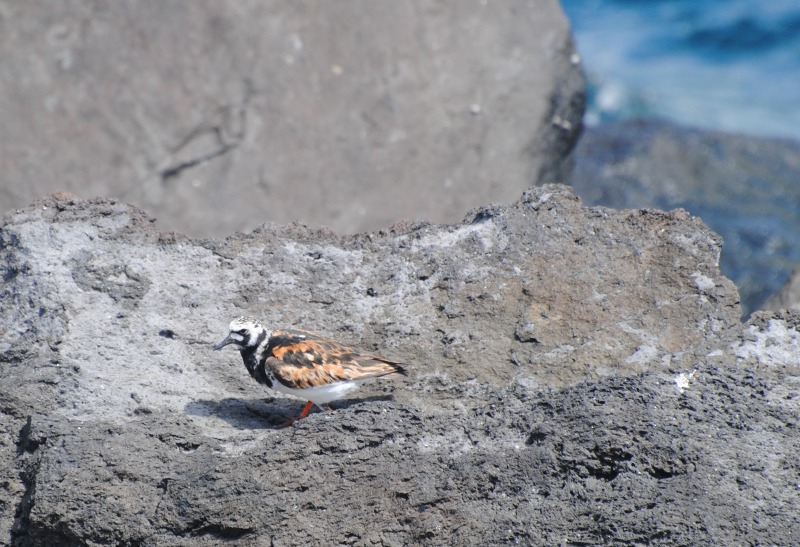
x=578, y=376
x=745, y=188
x=218, y=116
x=788, y=298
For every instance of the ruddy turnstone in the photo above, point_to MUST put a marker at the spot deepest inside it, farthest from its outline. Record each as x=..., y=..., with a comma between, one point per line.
x=303, y=364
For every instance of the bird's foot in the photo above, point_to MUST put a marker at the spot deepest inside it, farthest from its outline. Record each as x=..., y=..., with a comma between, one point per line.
x=303, y=414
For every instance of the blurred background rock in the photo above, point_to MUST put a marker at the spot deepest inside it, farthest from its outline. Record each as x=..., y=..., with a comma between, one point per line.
x=219, y=116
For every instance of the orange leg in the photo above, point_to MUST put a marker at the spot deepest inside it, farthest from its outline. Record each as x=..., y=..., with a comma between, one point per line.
x=306, y=410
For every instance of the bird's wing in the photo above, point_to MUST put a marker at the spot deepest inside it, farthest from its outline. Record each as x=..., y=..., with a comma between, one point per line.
x=300, y=359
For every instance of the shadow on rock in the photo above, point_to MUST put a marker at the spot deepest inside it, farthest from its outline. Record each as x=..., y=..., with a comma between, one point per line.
x=244, y=413
x=270, y=413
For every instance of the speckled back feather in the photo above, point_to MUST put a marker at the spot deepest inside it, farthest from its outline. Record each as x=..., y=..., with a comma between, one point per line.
x=301, y=359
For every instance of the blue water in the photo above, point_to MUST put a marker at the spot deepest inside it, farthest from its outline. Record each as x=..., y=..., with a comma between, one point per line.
x=731, y=65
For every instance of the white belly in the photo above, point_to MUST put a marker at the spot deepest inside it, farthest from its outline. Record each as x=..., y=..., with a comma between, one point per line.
x=319, y=395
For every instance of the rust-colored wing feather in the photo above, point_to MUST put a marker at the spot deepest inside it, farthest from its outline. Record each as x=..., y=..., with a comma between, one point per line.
x=300, y=359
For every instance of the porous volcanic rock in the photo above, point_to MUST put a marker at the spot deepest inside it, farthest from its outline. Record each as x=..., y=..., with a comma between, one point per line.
x=577, y=376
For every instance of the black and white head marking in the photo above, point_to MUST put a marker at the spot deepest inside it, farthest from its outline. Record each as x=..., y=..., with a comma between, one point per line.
x=244, y=332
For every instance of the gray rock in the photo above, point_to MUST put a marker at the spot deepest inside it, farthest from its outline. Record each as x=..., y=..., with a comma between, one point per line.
x=788, y=297
x=218, y=116
x=744, y=187
x=577, y=376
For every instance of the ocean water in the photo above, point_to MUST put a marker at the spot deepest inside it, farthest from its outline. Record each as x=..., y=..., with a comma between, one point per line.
x=729, y=65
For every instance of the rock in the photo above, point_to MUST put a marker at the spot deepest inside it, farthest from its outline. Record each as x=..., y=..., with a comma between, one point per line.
x=744, y=187
x=788, y=298
x=219, y=116
x=577, y=375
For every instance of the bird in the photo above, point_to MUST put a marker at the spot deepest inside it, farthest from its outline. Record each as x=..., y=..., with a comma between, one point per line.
x=304, y=364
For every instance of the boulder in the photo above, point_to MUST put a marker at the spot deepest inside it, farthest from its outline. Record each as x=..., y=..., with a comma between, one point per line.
x=577, y=375
x=219, y=116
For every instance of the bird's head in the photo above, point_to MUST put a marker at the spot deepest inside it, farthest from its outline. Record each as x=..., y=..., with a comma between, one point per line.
x=244, y=332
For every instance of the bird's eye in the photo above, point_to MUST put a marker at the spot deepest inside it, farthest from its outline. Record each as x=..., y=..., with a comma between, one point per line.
x=242, y=331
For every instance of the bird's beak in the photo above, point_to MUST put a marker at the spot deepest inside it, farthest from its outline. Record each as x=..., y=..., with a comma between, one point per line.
x=228, y=340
